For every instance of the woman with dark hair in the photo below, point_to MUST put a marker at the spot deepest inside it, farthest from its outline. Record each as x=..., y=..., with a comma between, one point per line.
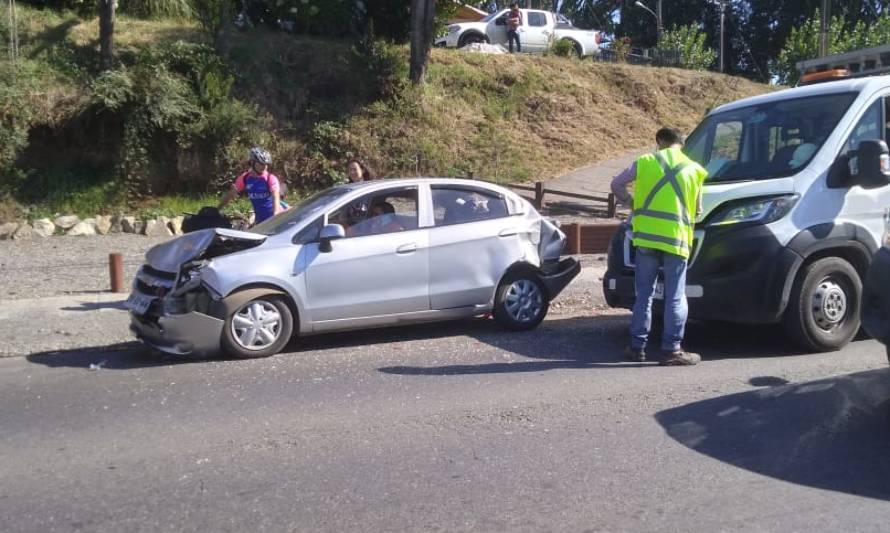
x=357, y=171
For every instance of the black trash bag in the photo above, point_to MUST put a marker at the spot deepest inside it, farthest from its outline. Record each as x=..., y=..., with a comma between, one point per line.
x=207, y=217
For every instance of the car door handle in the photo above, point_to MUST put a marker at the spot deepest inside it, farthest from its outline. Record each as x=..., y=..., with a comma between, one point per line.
x=509, y=232
x=407, y=248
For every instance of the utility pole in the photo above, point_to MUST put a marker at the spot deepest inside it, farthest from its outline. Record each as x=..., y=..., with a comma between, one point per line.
x=722, y=18
x=659, y=28
x=823, y=31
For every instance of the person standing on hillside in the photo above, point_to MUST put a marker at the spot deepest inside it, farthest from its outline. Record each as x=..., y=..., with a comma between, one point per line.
x=357, y=170
x=666, y=201
x=514, y=21
x=261, y=186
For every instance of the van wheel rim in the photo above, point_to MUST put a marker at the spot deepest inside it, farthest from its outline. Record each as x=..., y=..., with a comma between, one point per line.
x=829, y=304
x=256, y=326
x=524, y=300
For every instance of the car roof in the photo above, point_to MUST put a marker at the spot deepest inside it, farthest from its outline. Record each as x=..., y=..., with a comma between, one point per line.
x=856, y=85
x=388, y=182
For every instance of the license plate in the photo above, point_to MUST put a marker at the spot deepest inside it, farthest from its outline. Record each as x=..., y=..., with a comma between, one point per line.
x=659, y=291
x=138, y=304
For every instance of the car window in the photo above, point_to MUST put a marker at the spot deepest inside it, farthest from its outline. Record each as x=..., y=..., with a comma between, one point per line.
x=870, y=126
x=537, y=19
x=310, y=233
x=377, y=213
x=459, y=205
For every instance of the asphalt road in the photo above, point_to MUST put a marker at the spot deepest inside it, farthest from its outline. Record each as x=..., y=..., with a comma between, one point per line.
x=454, y=427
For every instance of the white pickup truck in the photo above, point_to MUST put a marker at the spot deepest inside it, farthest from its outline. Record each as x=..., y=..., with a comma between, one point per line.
x=538, y=30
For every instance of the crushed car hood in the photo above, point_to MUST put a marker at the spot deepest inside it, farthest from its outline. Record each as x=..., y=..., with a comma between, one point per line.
x=204, y=244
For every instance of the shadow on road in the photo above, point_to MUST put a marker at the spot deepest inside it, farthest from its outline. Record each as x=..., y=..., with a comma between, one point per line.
x=95, y=306
x=571, y=343
x=830, y=434
x=598, y=342
x=124, y=356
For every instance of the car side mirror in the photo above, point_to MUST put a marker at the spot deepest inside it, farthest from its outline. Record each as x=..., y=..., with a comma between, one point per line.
x=329, y=233
x=870, y=164
x=501, y=21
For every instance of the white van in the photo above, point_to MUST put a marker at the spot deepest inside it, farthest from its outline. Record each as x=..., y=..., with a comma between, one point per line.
x=793, y=211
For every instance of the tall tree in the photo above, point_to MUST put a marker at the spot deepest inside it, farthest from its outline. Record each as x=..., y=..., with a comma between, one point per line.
x=106, y=32
x=423, y=15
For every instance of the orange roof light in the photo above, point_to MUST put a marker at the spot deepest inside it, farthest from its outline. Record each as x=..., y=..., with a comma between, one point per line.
x=825, y=75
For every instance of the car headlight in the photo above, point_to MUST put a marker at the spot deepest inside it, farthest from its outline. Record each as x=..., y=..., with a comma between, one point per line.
x=453, y=29
x=761, y=211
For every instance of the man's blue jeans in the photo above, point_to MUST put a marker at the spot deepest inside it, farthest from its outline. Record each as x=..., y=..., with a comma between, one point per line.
x=675, y=307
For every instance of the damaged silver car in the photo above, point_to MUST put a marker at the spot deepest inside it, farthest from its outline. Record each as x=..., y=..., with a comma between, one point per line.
x=356, y=256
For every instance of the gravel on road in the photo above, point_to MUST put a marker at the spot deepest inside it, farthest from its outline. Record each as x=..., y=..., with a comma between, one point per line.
x=58, y=266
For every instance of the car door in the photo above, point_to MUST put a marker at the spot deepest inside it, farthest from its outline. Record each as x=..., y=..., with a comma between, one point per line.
x=380, y=268
x=535, y=35
x=496, y=30
x=473, y=242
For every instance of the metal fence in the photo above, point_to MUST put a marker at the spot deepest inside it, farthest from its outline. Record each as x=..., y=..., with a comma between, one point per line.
x=642, y=56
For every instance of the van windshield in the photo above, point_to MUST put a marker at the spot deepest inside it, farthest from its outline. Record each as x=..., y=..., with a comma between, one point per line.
x=771, y=140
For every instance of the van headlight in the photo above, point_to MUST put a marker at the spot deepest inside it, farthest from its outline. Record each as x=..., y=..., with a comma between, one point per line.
x=453, y=29
x=760, y=211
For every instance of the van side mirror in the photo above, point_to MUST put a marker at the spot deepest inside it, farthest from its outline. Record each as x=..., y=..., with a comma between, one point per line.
x=870, y=164
x=329, y=233
x=502, y=21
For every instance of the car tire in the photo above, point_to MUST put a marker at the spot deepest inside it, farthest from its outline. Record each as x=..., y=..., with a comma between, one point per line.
x=260, y=327
x=579, y=55
x=823, y=310
x=521, y=301
x=471, y=38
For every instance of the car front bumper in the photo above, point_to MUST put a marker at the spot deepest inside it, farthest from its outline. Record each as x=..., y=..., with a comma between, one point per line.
x=188, y=334
x=737, y=275
x=876, y=298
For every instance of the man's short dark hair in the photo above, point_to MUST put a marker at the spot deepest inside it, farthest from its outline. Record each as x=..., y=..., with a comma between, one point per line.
x=668, y=136
x=514, y=5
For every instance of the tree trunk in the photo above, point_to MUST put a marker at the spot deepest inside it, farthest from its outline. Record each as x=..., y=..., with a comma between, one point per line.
x=423, y=13
x=106, y=32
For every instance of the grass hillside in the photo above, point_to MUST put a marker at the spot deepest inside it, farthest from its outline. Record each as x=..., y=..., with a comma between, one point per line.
x=169, y=126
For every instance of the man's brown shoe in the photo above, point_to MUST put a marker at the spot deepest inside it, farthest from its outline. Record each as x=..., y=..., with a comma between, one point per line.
x=634, y=354
x=681, y=358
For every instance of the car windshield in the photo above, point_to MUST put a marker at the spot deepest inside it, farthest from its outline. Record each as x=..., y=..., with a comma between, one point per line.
x=295, y=216
x=764, y=141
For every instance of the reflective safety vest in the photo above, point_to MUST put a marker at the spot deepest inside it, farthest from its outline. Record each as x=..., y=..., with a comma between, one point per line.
x=665, y=199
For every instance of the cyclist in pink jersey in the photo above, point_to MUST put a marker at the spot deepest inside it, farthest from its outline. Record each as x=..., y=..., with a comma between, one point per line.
x=261, y=186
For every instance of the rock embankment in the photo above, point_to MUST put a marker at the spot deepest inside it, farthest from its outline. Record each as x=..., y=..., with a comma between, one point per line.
x=74, y=226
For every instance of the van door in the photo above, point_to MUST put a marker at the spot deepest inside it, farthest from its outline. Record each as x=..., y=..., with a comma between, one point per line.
x=865, y=207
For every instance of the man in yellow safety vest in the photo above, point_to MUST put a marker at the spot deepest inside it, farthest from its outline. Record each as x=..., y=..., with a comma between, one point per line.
x=666, y=200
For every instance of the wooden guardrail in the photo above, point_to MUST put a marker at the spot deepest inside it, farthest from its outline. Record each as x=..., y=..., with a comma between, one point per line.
x=589, y=238
x=540, y=191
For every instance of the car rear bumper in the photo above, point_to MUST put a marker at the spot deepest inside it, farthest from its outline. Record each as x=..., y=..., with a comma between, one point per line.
x=189, y=334
x=564, y=273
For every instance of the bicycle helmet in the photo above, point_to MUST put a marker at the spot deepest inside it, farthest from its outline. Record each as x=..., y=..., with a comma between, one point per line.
x=259, y=155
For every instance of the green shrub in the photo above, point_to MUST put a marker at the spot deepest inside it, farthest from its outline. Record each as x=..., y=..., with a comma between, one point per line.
x=17, y=111
x=562, y=48
x=686, y=46
x=158, y=9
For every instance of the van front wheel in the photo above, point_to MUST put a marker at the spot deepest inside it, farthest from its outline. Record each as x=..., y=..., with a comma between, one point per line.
x=823, y=311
